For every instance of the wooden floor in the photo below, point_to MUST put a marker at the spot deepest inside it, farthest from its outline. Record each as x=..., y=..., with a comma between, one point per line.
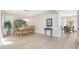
x=39, y=41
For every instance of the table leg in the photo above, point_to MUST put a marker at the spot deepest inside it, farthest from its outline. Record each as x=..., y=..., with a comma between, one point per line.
x=50, y=32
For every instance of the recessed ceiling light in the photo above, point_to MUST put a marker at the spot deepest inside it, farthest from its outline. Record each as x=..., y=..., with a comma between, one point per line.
x=26, y=10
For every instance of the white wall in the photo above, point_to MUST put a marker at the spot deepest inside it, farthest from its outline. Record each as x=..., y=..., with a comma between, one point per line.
x=0, y=27
x=1, y=37
x=40, y=22
x=78, y=24
x=10, y=17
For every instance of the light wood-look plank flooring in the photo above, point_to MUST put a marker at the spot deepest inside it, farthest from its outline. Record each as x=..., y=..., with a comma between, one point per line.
x=39, y=41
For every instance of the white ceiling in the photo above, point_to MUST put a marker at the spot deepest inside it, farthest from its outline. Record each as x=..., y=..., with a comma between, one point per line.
x=67, y=11
x=28, y=13
x=64, y=13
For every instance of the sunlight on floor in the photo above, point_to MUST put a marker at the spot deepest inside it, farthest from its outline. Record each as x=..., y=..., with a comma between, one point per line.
x=5, y=42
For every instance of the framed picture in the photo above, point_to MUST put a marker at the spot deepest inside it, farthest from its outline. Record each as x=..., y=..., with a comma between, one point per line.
x=49, y=22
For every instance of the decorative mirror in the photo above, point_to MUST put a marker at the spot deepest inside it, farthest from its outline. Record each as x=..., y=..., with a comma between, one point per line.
x=49, y=22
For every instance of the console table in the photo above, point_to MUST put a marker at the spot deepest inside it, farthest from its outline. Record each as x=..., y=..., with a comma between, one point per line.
x=48, y=29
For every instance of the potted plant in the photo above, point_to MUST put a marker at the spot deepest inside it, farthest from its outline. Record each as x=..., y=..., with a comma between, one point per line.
x=8, y=25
